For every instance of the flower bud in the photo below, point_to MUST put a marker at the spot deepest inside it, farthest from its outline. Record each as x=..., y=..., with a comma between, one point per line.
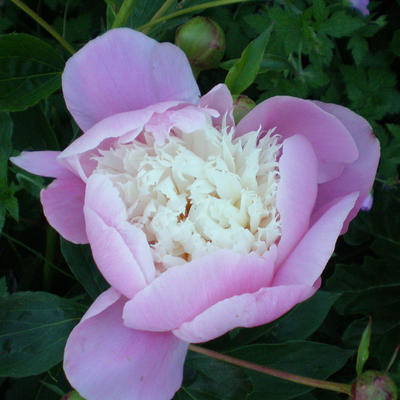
x=374, y=385
x=203, y=41
x=241, y=106
x=74, y=395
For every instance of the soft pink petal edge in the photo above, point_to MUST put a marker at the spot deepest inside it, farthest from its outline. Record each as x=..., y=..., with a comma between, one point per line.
x=43, y=163
x=120, y=250
x=180, y=293
x=246, y=310
x=297, y=191
x=62, y=203
x=358, y=176
x=105, y=360
x=124, y=70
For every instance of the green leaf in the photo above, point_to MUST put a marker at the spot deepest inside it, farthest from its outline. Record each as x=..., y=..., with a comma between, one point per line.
x=209, y=379
x=311, y=359
x=30, y=70
x=305, y=318
x=11, y=205
x=341, y=24
x=363, y=348
x=34, y=327
x=320, y=10
x=3, y=287
x=80, y=260
x=244, y=72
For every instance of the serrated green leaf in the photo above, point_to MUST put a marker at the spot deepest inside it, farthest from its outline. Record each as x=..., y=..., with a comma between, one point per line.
x=244, y=72
x=316, y=360
x=30, y=70
x=359, y=48
x=34, y=327
x=340, y=24
x=363, y=348
x=320, y=10
x=80, y=260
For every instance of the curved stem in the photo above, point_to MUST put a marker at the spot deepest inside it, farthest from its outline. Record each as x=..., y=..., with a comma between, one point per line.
x=123, y=13
x=163, y=9
x=188, y=10
x=44, y=25
x=327, y=385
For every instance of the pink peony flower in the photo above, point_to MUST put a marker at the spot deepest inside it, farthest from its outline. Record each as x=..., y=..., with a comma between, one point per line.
x=199, y=226
x=361, y=5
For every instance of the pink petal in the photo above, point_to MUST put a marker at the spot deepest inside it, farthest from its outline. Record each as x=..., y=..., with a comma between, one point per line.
x=219, y=98
x=307, y=261
x=297, y=191
x=62, y=204
x=42, y=163
x=120, y=250
x=360, y=175
x=246, y=310
x=330, y=139
x=104, y=360
x=182, y=292
x=78, y=156
x=124, y=70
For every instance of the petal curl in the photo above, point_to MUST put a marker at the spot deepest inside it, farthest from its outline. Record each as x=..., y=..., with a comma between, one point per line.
x=307, y=261
x=120, y=250
x=182, y=292
x=62, y=203
x=360, y=175
x=42, y=163
x=297, y=191
x=331, y=140
x=246, y=310
x=125, y=70
x=104, y=360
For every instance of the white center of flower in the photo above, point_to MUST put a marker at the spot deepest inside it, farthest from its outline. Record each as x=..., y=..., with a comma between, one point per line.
x=199, y=192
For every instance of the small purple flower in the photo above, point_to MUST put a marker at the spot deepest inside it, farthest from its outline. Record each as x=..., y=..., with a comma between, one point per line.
x=361, y=5
x=367, y=203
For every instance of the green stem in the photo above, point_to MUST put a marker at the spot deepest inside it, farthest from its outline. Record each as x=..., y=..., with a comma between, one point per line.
x=37, y=254
x=123, y=13
x=333, y=386
x=163, y=9
x=199, y=7
x=51, y=240
x=44, y=25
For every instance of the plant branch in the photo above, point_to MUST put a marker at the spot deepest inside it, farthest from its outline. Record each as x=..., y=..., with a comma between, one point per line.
x=163, y=9
x=44, y=25
x=123, y=13
x=327, y=385
x=199, y=7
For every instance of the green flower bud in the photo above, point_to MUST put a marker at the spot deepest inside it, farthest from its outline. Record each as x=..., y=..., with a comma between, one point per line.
x=374, y=385
x=203, y=41
x=241, y=106
x=72, y=396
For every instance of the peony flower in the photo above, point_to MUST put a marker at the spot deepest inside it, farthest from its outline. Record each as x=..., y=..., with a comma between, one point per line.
x=198, y=225
x=361, y=5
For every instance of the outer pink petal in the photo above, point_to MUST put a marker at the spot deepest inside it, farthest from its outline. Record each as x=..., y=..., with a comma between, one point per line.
x=120, y=250
x=182, y=292
x=298, y=168
x=125, y=70
x=42, y=163
x=104, y=360
x=246, y=310
x=219, y=98
x=307, y=261
x=125, y=127
x=63, y=207
x=360, y=175
x=331, y=140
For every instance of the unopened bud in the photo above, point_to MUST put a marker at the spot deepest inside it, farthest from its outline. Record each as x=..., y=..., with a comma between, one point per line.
x=374, y=385
x=203, y=42
x=74, y=395
x=241, y=106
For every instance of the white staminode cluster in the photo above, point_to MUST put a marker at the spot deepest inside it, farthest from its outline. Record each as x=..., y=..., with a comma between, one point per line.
x=199, y=192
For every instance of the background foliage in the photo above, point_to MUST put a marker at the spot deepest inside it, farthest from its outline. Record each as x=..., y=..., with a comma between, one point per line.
x=318, y=49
